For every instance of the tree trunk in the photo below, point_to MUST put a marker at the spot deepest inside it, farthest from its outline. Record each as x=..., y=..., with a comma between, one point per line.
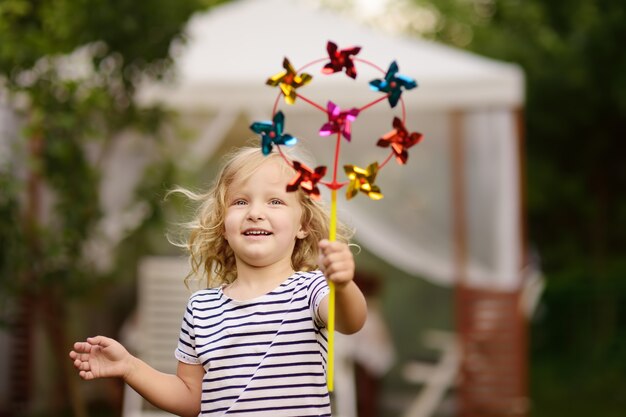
x=23, y=327
x=55, y=322
x=21, y=365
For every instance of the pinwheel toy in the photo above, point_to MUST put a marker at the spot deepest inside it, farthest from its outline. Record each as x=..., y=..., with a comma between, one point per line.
x=272, y=133
x=307, y=179
x=340, y=59
x=400, y=140
x=393, y=83
x=338, y=123
x=363, y=180
x=288, y=81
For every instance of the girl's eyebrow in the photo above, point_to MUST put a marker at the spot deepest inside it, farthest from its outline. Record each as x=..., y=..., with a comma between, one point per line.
x=232, y=197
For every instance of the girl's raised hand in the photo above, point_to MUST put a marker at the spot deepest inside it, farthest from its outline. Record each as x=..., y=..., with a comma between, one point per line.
x=100, y=357
x=336, y=262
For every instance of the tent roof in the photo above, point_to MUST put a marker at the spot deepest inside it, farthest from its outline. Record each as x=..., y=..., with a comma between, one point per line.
x=234, y=48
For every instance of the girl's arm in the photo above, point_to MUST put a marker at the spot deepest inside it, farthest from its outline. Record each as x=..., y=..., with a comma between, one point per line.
x=337, y=263
x=101, y=357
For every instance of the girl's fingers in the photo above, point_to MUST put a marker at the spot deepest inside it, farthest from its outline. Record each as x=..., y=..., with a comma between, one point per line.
x=329, y=247
x=336, y=261
x=85, y=375
x=99, y=341
x=81, y=347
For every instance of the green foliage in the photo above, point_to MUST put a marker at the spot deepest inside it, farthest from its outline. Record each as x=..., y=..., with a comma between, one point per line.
x=11, y=237
x=571, y=52
x=71, y=68
x=140, y=32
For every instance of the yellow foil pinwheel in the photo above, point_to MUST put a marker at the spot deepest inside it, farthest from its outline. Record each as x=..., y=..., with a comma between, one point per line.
x=363, y=180
x=289, y=80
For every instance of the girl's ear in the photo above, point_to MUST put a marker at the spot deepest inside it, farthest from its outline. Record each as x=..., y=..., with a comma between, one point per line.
x=302, y=233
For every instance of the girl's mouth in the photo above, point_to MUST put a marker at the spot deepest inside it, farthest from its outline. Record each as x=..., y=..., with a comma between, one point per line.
x=256, y=232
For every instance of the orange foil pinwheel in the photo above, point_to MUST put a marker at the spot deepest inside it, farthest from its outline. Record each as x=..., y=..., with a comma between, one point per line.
x=307, y=179
x=400, y=140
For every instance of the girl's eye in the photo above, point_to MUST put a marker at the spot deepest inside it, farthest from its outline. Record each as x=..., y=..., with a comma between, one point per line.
x=276, y=201
x=239, y=202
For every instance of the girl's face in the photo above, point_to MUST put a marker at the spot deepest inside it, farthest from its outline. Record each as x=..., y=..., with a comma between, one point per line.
x=263, y=220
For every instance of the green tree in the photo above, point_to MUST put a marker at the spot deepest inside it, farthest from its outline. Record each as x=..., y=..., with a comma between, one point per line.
x=572, y=54
x=69, y=69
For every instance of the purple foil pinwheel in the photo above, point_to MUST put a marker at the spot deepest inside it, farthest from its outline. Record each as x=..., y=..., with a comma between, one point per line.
x=339, y=121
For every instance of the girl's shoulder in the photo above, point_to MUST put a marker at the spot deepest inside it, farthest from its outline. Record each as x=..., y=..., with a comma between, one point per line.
x=307, y=277
x=207, y=294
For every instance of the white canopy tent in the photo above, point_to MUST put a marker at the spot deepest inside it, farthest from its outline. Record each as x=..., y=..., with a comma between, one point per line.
x=453, y=211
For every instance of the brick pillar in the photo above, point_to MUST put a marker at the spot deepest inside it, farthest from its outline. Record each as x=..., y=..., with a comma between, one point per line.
x=494, y=361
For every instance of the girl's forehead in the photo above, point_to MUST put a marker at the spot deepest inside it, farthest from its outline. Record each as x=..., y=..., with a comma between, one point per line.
x=272, y=172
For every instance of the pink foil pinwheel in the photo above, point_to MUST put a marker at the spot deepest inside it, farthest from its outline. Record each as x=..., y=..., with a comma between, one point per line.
x=400, y=140
x=340, y=59
x=362, y=179
x=307, y=179
x=339, y=121
x=289, y=81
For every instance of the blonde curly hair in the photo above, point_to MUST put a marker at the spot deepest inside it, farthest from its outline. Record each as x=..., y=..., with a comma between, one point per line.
x=210, y=255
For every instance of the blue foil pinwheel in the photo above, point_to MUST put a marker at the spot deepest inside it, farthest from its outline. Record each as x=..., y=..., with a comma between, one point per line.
x=393, y=84
x=339, y=121
x=272, y=133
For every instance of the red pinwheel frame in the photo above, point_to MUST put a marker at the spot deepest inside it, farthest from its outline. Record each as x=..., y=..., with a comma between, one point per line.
x=398, y=139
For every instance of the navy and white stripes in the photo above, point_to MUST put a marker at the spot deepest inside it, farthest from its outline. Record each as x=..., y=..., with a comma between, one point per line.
x=265, y=356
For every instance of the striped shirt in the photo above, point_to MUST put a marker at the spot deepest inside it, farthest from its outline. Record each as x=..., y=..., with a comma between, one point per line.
x=263, y=357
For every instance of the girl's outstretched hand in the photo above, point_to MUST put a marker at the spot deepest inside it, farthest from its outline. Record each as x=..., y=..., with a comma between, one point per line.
x=101, y=357
x=336, y=262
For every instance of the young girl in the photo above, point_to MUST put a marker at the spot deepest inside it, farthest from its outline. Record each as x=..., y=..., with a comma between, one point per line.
x=254, y=343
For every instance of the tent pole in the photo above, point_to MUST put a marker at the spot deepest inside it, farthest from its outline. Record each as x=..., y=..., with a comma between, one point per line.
x=459, y=220
x=521, y=152
x=459, y=237
x=523, y=338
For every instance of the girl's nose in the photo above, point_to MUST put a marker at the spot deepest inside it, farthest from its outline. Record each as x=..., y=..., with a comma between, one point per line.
x=256, y=212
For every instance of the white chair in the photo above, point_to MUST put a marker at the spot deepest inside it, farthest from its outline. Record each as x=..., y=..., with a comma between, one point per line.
x=436, y=379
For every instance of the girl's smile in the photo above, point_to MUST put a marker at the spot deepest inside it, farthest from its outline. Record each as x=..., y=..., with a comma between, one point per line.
x=256, y=232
